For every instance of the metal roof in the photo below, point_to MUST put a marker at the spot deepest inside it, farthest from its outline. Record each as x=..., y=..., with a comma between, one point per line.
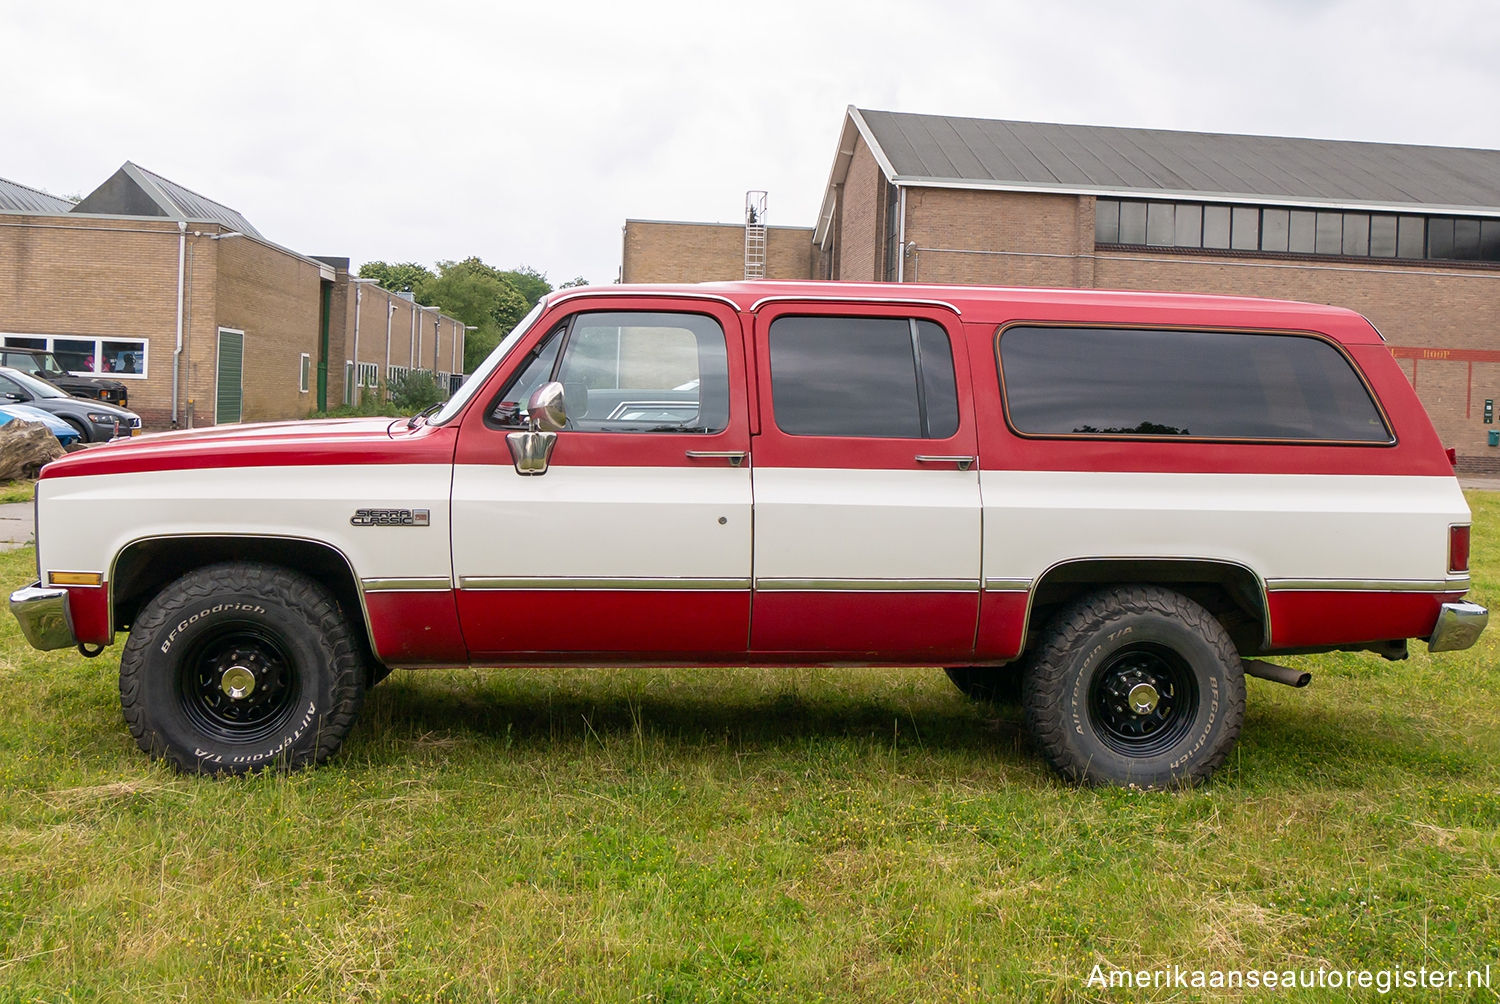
x=135, y=191
x=15, y=197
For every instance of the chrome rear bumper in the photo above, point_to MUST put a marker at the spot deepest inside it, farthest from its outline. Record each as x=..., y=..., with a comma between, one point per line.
x=44, y=615
x=1458, y=627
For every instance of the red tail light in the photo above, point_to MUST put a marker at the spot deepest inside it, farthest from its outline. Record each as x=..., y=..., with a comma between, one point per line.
x=1458, y=548
x=1452, y=452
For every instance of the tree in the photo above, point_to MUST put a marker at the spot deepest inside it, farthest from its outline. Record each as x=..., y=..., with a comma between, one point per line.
x=397, y=277
x=576, y=281
x=530, y=283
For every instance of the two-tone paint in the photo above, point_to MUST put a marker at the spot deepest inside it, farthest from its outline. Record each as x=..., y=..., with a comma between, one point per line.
x=751, y=545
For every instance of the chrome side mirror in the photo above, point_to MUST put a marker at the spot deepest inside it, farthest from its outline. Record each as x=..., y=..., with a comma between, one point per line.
x=547, y=412
x=547, y=408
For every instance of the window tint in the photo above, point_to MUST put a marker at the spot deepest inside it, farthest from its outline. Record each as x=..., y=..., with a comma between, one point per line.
x=1204, y=384
x=629, y=372
x=862, y=376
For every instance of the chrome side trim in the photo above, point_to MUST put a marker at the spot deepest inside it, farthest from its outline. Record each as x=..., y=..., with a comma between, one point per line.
x=44, y=616
x=622, y=582
x=1453, y=585
x=1459, y=626
x=869, y=585
x=604, y=292
x=994, y=585
x=431, y=583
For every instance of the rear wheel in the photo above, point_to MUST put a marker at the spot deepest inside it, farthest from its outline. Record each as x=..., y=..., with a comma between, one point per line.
x=240, y=666
x=1136, y=686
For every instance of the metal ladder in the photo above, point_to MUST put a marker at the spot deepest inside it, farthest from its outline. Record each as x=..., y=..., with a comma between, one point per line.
x=755, y=235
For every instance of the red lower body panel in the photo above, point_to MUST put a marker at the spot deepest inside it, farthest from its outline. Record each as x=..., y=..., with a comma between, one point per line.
x=882, y=627
x=1002, y=625
x=416, y=628
x=1310, y=618
x=89, y=608
x=639, y=622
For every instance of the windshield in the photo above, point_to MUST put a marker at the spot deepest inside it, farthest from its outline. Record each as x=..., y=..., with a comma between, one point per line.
x=479, y=376
x=36, y=386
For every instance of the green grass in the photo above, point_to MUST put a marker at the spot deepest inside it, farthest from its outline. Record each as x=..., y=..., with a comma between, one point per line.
x=789, y=835
x=17, y=491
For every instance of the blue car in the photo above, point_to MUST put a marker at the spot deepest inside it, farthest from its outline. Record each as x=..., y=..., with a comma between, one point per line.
x=65, y=433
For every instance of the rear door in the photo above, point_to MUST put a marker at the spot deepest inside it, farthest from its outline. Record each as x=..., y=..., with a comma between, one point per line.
x=867, y=510
x=636, y=540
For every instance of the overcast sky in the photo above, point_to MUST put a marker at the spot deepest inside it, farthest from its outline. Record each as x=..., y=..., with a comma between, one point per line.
x=527, y=133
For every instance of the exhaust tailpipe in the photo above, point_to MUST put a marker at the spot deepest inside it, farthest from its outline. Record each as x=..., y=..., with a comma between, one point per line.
x=1277, y=674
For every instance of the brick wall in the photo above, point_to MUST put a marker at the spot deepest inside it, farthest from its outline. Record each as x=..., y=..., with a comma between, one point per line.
x=657, y=251
x=860, y=219
x=275, y=298
x=97, y=277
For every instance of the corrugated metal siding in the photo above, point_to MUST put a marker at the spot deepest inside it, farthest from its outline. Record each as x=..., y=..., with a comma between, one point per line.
x=229, y=382
x=941, y=147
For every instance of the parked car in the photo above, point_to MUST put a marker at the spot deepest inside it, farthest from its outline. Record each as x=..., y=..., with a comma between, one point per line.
x=43, y=364
x=1123, y=502
x=95, y=421
x=65, y=433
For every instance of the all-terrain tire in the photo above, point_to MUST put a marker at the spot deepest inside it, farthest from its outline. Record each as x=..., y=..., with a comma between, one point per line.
x=1135, y=686
x=241, y=666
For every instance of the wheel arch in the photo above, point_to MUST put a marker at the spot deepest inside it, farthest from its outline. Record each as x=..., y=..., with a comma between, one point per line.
x=144, y=566
x=1229, y=590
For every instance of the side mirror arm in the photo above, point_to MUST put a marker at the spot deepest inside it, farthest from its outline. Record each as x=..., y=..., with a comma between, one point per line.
x=546, y=412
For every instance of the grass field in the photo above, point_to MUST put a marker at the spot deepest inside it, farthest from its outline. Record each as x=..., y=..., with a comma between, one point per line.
x=706, y=835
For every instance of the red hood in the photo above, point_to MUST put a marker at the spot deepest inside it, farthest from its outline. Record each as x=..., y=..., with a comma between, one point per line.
x=269, y=444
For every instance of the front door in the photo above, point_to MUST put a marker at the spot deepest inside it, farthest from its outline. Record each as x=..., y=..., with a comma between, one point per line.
x=867, y=514
x=636, y=541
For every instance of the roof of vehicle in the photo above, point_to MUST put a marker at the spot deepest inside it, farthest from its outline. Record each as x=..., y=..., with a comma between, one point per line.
x=1003, y=304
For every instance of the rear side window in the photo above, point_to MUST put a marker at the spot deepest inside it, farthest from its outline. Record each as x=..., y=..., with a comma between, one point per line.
x=1199, y=384
x=883, y=378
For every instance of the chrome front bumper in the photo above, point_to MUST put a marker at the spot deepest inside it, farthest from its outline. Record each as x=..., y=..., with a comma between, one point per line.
x=44, y=615
x=1458, y=627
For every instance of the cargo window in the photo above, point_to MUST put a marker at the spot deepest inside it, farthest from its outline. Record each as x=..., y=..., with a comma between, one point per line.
x=625, y=371
x=870, y=377
x=1198, y=384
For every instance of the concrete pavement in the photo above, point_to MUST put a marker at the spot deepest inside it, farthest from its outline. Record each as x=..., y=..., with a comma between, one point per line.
x=15, y=525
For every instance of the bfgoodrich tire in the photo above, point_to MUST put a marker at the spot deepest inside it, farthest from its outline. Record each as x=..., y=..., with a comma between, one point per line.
x=240, y=666
x=1135, y=686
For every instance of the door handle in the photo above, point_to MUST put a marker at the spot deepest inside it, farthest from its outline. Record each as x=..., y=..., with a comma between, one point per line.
x=963, y=463
x=735, y=457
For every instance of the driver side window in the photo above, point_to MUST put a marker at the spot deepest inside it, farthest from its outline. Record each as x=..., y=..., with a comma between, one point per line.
x=626, y=371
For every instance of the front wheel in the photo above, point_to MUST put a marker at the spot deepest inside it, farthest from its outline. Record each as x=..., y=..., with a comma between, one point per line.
x=1135, y=686
x=239, y=666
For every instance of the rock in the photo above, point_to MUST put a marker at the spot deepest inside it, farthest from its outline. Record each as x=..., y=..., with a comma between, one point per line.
x=24, y=448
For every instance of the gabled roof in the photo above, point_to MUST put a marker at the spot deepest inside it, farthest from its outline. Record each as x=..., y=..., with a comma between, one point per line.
x=135, y=191
x=18, y=198
x=953, y=152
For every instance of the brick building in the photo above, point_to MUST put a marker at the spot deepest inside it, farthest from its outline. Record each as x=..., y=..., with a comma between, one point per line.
x=1407, y=235
x=201, y=316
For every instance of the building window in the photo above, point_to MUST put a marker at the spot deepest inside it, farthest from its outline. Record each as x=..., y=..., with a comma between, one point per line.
x=366, y=374
x=1331, y=233
x=97, y=356
x=304, y=372
x=892, y=232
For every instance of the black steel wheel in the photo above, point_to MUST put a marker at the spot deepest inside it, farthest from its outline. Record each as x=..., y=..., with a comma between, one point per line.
x=241, y=666
x=1135, y=686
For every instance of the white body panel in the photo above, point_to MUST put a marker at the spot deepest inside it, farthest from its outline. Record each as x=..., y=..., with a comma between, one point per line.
x=87, y=521
x=1282, y=526
x=856, y=524
x=602, y=523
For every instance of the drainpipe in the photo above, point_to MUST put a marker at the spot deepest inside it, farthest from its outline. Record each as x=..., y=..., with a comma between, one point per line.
x=359, y=289
x=411, y=346
x=177, y=352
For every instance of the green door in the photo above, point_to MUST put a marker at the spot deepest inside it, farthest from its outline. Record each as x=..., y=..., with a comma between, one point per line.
x=229, y=387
